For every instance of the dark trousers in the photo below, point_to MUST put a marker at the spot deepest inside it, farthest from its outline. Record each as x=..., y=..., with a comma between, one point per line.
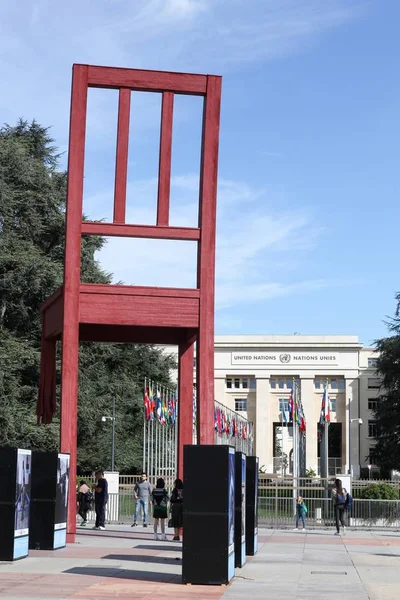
x=339, y=516
x=100, y=508
x=83, y=511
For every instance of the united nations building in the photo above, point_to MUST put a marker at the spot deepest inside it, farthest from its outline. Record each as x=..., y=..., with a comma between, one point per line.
x=254, y=375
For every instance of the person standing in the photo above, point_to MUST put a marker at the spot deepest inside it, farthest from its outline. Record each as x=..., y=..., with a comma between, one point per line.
x=301, y=511
x=159, y=499
x=141, y=494
x=85, y=500
x=177, y=508
x=339, y=498
x=100, y=500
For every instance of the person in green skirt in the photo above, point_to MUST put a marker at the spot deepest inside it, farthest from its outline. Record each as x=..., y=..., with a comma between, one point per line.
x=159, y=499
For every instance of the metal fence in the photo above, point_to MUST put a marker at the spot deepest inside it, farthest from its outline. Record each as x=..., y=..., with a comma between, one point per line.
x=280, y=512
x=276, y=504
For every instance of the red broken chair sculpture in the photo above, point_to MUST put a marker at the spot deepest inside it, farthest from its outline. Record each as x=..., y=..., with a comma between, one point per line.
x=119, y=313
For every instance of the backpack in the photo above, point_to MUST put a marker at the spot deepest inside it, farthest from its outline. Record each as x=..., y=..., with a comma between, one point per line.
x=89, y=497
x=349, y=501
x=341, y=498
x=158, y=496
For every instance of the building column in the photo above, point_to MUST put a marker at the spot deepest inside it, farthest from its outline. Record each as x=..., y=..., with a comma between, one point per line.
x=264, y=426
x=351, y=429
x=312, y=410
x=185, y=400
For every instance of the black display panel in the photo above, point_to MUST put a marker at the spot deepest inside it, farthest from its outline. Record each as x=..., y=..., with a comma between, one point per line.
x=208, y=514
x=251, y=505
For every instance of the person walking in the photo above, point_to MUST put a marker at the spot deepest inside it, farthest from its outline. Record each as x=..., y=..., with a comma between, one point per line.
x=301, y=511
x=159, y=499
x=339, y=498
x=177, y=508
x=100, y=500
x=141, y=494
x=85, y=501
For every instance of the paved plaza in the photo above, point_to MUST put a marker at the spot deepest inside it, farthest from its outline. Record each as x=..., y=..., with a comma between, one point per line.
x=125, y=563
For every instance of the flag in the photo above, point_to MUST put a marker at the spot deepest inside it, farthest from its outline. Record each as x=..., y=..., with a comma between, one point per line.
x=152, y=405
x=147, y=404
x=291, y=406
x=158, y=405
x=325, y=416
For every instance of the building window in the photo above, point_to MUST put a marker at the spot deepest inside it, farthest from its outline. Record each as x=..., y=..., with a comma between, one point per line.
x=371, y=429
x=282, y=383
x=240, y=404
x=374, y=383
x=372, y=403
x=252, y=383
x=333, y=404
x=236, y=383
x=334, y=383
x=245, y=383
x=284, y=405
x=229, y=383
x=372, y=363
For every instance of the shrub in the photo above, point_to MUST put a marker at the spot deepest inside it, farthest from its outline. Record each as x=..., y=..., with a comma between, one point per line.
x=379, y=491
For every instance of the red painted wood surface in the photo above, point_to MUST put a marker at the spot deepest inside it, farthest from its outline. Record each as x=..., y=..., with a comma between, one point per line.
x=53, y=322
x=140, y=231
x=133, y=334
x=206, y=262
x=127, y=313
x=133, y=290
x=161, y=311
x=149, y=81
x=185, y=400
x=53, y=298
x=121, y=160
x=164, y=168
x=70, y=341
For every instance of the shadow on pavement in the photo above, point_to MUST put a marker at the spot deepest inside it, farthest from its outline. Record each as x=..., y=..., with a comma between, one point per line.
x=144, y=558
x=177, y=548
x=154, y=576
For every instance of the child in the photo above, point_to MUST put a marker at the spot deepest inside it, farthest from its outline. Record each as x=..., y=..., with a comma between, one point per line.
x=159, y=498
x=301, y=511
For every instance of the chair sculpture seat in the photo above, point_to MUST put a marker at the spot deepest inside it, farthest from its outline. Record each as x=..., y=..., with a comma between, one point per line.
x=81, y=312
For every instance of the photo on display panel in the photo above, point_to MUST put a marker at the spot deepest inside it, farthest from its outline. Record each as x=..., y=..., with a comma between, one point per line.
x=243, y=532
x=231, y=501
x=22, y=493
x=62, y=490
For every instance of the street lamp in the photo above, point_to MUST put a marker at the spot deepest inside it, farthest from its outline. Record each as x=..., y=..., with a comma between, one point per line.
x=359, y=421
x=112, y=419
x=369, y=471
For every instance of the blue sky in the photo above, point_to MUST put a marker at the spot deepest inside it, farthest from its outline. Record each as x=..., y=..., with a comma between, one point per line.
x=308, y=180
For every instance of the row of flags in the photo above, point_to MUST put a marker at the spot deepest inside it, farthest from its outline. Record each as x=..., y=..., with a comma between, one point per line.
x=225, y=423
x=295, y=410
x=161, y=405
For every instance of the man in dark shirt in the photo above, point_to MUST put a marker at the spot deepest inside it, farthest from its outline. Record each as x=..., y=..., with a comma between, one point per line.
x=100, y=500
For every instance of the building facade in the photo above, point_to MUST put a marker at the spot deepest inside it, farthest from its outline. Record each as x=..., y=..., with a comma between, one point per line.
x=254, y=375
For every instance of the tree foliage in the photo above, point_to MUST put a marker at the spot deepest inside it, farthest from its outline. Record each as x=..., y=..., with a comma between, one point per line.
x=32, y=216
x=386, y=452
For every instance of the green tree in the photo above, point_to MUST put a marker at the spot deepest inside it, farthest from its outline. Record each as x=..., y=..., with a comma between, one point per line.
x=386, y=452
x=32, y=217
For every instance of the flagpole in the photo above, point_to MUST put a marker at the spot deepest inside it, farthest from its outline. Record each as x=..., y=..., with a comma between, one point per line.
x=283, y=408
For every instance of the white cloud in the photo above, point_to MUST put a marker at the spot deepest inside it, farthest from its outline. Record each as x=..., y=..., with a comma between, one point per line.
x=252, y=239
x=40, y=40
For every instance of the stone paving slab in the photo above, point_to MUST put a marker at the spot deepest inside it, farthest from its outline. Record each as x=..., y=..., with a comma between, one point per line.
x=125, y=563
